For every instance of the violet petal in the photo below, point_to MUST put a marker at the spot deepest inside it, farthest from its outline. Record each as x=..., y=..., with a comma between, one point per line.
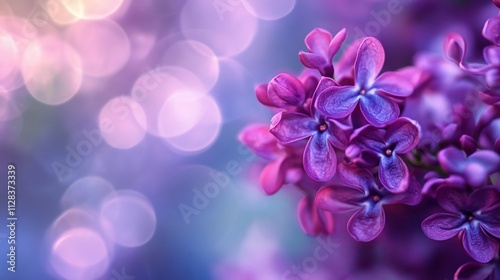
x=442, y=226
x=320, y=160
x=379, y=110
x=367, y=223
x=289, y=127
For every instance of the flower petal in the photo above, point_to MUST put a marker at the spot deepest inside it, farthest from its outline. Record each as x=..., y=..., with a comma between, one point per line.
x=285, y=90
x=369, y=61
x=273, y=176
x=393, y=174
x=452, y=199
x=404, y=134
x=289, y=127
x=356, y=177
x=313, y=220
x=412, y=196
x=367, y=223
x=258, y=139
x=492, y=55
x=368, y=137
x=480, y=165
x=378, y=110
x=320, y=160
x=318, y=40
x=338, y=134
x=452, y=160
x=491, y=30
x=473, y=271
x=394, y=84
x=454, y=47
x=442, y=226
x=339, y=198
x=478, y=244
x=344, y=69
x=325, y=83
x=316, y=61
x=336, y=43
x=262, y=97
x=337, y=102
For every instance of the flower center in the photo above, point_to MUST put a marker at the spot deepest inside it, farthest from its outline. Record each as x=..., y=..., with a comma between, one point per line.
x=376, y=198
x=363, y=91
x=470, y=218
x=323, y=127
x=388, y=152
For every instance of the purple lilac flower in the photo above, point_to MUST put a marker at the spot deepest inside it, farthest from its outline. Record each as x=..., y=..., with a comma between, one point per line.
x=475, y=218
x=479, y=271
x=322, y=48
x=375, y=95
x=314, y=221
x=323, y=134
x=363, y=194
x=398, y=139
x=285, y=165
x=475, y=169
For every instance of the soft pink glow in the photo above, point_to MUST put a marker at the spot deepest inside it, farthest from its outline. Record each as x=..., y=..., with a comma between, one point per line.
x=92, y=9
x=269, y=10
x=122, y=122
x=103, y=45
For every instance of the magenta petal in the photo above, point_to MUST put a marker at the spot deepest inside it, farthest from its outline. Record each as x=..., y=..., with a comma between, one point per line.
x=480, y=165
x=337, y=102
x=491, y=30
x=285, y=90
x=273, y=176
x=318, y=40
x=478, y=244
x=454, y=47
x=366, y=224
x=369, y=61
x=316, y=61
x=452, y=199
x=393, y=174
x=452, y=160
x=338, y=134
x=492, y=55
x=344, y=69
x=379, y=110
x=442, y=226
x=473, y=271
x=339, y=198
x=356, y=177
x=290, y=127
x=394, y=84
x=336, y=43
x=312, y=220
x=324, y=83
x=404, y=134
x=320, y=160
x=261, y=93
x=258, y=139
x=412, y=196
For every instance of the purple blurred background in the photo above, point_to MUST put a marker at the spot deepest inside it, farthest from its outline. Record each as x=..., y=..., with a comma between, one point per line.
x=121, y=118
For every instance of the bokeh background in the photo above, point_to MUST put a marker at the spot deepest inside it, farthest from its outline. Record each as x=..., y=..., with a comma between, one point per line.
x=122, y=116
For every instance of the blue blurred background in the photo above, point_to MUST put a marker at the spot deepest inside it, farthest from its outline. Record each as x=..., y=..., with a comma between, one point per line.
x=121, y=118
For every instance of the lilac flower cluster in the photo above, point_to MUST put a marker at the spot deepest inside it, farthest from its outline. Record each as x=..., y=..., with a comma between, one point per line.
x=351, y=138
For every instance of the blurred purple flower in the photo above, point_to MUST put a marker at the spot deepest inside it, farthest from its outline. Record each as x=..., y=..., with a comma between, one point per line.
x=474, y=218
x=475, y=169
x=479, y=271
x=400, y=138
x=284, y=166
x=322, y=48
x=362, y=193
x=323, y=134
x=375, y=95
x=314, y=221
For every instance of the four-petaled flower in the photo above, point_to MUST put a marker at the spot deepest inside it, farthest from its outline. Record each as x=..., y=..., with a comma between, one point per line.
x=398, y=139
x=362, y=193
x=375, y=95
x=323, y=134
x=322, y=48
x=475, y=218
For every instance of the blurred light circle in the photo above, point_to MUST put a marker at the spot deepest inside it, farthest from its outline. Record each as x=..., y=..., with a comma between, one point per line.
x=103, y=45
x=80, y=253
x=142, y=43
x=180, y=113
x=153, y=88
x=9, y=54
x=269, y=10
x=57, y=12
x=226, y=27
x=195, y=57
x=8, y=108
x=122, y=122
x=92, y=9
x=87, y=192
x=51, y=71
x=130, y=218
x=203, y=133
